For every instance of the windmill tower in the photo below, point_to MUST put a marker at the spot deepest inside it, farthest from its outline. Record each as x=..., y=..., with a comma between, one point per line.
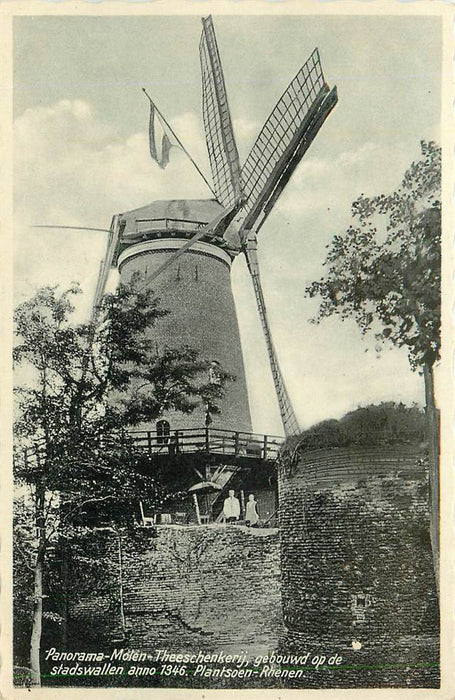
x=185, y=248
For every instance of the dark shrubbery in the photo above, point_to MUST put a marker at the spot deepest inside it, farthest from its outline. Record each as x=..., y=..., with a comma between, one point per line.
x=384, y=424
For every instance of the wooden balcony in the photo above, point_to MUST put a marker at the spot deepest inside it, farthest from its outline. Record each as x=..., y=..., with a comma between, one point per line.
x=205, y=446
x=209, y=441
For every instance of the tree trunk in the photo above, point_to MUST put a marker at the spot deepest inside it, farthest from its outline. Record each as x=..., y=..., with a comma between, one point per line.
x=37, y=621
x=433, y=450
x=65, y=612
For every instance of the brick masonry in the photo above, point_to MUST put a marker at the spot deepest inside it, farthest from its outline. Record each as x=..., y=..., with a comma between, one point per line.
x=184, y=588
x=357, y=565
x=350, y=573
x=196, y=290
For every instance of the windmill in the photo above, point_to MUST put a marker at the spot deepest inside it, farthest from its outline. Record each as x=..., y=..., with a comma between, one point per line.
x=186, y=247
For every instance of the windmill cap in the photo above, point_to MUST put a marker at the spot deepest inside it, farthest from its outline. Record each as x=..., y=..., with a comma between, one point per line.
x=197, y=210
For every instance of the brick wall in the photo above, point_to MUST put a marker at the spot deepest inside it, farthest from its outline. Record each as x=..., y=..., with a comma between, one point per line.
x=208, y=587
x=357, y=566
x=356, y=578
x=196, y=290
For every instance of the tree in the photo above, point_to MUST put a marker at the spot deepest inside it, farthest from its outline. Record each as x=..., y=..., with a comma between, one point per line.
x=83, y=384
x=385, y=272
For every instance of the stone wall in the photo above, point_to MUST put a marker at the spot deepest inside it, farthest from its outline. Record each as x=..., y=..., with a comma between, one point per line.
x=184, y=588
x=350, y=575
x=356, y=561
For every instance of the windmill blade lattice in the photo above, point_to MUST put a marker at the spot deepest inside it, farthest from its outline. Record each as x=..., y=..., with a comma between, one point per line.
x=106, y=263
x=288, y=417
x=284, y=138
x=221, y=146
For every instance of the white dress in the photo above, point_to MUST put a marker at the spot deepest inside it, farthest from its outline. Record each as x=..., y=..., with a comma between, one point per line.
x=251, y=515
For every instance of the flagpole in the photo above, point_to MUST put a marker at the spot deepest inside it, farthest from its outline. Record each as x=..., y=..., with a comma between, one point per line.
x=179, y=142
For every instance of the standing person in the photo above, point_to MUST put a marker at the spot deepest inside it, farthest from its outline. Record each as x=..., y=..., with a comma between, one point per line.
x=252, y=515
x=231, y=510
x=208, y=416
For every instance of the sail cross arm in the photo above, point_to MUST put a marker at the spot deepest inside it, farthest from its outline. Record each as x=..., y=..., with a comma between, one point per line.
x=219, y=134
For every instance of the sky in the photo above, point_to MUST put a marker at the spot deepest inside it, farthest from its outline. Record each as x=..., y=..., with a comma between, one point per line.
x=81, y=155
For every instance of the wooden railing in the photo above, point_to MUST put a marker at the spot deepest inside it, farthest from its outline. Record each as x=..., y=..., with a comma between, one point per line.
x=167, y=224
x=193, y=440
x=209, y=440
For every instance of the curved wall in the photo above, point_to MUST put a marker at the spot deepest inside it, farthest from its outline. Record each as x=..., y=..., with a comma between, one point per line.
x=196, y=289
x=357, y=572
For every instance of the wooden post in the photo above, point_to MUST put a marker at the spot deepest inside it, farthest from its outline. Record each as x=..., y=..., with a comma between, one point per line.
x=196, y=505
x=265, y=447
x=236, y=444
x=242, y=504
x=149, y=442
x=207, y=444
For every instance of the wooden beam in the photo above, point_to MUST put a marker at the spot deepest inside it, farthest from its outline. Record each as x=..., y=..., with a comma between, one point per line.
x=242, y=503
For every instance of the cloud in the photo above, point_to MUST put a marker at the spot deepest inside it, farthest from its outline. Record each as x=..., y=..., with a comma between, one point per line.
x=77, y=157
x=246, y=131
x=72, y=168
x=326, y=183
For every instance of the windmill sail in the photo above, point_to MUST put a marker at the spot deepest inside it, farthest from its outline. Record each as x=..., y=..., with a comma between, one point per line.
x=286, y=135
x=221, y=146
x=105, y=265
x=288, y=417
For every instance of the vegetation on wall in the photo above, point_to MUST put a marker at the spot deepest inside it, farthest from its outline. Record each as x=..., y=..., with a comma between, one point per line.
x=387, y=423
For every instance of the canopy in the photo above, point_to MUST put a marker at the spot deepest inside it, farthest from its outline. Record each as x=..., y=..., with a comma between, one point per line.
x=205, y=486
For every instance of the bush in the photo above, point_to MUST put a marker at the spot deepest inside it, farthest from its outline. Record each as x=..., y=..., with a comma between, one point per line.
x=384, y=424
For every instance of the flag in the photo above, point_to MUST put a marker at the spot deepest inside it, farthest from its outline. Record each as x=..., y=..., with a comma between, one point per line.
x=160, y=138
